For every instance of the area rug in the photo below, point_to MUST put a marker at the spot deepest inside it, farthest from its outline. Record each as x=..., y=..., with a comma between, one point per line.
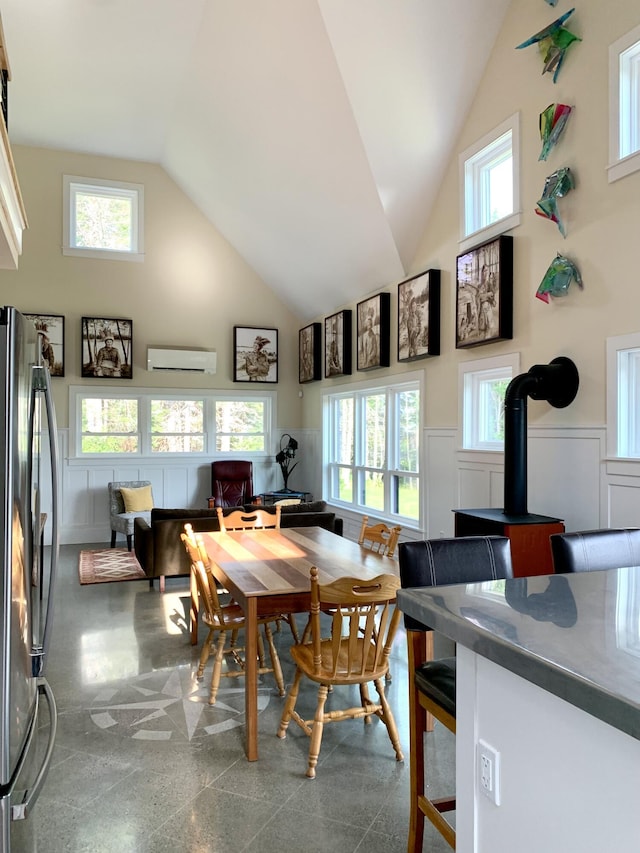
x=106, y=566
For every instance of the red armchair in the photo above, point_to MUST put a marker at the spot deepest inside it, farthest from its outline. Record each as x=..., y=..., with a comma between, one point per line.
x=231, y=483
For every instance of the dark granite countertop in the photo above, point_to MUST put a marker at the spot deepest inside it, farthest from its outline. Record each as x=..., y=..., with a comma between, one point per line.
x=577, y=636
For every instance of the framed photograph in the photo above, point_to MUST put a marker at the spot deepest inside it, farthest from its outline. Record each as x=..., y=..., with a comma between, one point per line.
x=51, y=329
x=107, y=348
x=337, y=344
x=310, y=353
x=484, y=294
x=374, y=332
x=419, y=316
x=255, y=354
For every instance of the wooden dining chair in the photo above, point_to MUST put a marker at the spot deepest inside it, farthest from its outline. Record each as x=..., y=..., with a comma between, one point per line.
x=252, y=519
x=363, y=624
x=257, y=519
x=222, y=619
x=379, y=537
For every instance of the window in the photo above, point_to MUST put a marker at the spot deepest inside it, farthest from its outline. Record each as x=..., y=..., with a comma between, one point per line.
x=177, y=426
x=623, y=396
x=109, y=426
x=240, y=425
x=624, y=106
x=147, y=423
x=483, y=384
x=372, y=448
x=102, y=219
x=489, y=185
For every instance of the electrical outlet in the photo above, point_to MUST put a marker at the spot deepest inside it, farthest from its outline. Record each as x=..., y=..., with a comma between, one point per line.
x=488, y=764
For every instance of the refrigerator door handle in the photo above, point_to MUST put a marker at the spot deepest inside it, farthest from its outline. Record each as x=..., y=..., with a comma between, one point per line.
x=42, y=381
x=21, y=810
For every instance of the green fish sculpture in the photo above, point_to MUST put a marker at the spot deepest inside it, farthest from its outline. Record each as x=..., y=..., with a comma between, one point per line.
x=553, y=42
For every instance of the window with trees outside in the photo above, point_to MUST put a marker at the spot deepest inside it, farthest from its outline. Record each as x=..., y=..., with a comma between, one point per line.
x=103, y=219
x=490, y=185
x=149, y=423
x=483, y=384
x=372, y=449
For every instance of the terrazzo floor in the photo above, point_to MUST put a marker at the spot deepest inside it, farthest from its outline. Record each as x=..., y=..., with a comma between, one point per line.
x=142, y=763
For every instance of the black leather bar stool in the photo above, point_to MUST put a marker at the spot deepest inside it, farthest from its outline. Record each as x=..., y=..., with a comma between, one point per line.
x=591, y=550
x=432, y=683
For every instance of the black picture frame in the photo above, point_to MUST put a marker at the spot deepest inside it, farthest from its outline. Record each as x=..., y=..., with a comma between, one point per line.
x=337, y=344
x=419, y=316
x=373, y=332
x=101, y=360
x=255, y=354
x=51, y=329
x=310, y=353
x=484, y=293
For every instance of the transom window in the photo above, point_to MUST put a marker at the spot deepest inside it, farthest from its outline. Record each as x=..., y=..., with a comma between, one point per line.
x=483, y=384
x=148, y=423
x=624, y=105
x=103, y=219
x=489, y=183
x=372, y=449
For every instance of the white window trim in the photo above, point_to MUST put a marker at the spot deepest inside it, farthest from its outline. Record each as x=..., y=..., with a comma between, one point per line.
x=412, y=377
x=467, y=425
x=68, y=217
x=468, y=241
x=619, y=167
x=616, y=345
x=79, y=392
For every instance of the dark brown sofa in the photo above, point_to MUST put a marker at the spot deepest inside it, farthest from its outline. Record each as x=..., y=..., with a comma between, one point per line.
x=161, y=553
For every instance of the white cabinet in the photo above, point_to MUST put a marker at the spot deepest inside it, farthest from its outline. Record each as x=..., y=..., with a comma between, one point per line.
x=13, y=218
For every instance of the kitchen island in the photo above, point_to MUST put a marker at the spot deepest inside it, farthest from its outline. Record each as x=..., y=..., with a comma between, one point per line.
x=549, y=676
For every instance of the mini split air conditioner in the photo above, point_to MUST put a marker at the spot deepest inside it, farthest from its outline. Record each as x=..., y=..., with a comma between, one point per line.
x=188, y=360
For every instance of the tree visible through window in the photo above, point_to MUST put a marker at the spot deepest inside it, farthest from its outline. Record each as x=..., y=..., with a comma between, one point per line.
x=152, y=423
x=372, y=458
x=483, y=385
x=103, y=219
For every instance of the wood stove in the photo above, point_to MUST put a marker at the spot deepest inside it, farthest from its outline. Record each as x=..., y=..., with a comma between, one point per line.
x=557, y=383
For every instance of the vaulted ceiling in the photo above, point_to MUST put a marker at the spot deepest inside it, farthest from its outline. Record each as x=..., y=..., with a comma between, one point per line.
x=312, y=133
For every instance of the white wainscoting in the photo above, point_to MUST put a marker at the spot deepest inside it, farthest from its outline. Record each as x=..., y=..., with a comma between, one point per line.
x=566, y=479
x=84, y=501
x=623, y=492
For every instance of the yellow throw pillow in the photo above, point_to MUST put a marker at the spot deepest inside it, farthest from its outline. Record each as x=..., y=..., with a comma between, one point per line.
x=137, y=500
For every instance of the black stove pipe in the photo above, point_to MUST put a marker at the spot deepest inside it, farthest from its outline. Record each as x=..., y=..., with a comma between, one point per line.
x=515, y=444
x=556, y=383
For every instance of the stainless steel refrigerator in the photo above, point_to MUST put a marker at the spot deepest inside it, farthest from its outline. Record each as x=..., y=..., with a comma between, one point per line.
x=28, y=461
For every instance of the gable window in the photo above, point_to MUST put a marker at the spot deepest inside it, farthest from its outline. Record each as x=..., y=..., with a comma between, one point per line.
x=103, y=219
x=372, y=442
x=149, y=423
x=624, y=106
x=623, y=396
x=489, y=184
x=483, y=384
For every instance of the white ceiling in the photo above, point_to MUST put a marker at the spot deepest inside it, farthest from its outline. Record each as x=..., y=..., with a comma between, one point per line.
x=312, y=133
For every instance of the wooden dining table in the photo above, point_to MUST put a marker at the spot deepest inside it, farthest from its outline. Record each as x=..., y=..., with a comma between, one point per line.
x=267, y=571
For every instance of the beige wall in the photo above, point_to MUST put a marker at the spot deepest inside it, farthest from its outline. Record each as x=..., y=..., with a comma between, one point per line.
x=191, y=289
x=602, y=219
